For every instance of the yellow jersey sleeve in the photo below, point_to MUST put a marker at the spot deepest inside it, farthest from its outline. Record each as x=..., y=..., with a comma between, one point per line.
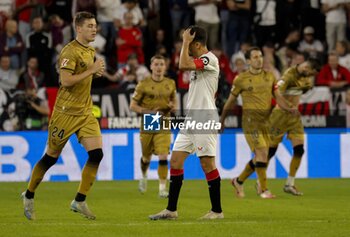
x=236, y=86
x=138, y=93
x=67, y=60
x=286, y=81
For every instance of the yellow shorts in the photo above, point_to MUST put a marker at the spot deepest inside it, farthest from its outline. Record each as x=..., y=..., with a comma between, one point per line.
x=62, y=126
x=282, y=122
x=256, y=134
x=155, y=143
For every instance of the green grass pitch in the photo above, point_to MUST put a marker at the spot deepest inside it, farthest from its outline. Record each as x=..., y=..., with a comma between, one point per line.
x=121, y=210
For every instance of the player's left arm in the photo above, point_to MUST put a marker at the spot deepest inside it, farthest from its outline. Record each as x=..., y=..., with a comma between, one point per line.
x=173, y=100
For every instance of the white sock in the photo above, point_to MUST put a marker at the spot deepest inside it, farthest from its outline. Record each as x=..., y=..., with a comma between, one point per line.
x=162, y=185
x=290, y=181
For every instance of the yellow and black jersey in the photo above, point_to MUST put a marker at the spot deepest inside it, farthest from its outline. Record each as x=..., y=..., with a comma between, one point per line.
x=153, y=94
x=292, y=83
x=75, y=100
x=257, y=92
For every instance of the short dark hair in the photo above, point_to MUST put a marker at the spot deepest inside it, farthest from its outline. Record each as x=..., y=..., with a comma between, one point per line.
x=201, y=34
x=157, y=56
x=250, y=50
x=80, y=17
x=314, y=64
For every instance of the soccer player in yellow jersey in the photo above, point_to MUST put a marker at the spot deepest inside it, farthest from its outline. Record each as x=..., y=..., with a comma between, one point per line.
x=72, y=113
x=155, y=94
x=295, y=81
x=257, y=87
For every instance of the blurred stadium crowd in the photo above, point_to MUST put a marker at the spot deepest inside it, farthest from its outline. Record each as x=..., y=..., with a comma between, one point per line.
x=32, y=33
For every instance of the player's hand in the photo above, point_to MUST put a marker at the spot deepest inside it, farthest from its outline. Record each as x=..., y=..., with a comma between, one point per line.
x=98, y=67
x=187, y=36
x=157, y=110
x=100, y=73
x=171, y=106
x=294, y=111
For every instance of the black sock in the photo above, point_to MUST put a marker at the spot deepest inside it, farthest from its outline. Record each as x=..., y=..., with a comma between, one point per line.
x=214, y=192
x=174, y=191
x=80, y=197
x=239, y=181
x=29, y=194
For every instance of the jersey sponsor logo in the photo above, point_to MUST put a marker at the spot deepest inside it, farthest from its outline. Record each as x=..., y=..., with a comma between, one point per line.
x=205, y=60
x=64, y=62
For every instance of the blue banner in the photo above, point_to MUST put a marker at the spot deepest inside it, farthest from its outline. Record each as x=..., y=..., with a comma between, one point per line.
x=326, y=156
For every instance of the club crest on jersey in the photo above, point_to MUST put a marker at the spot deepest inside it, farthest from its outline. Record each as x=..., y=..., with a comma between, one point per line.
x=205, y=60
x=82, y=64
x=64, y=62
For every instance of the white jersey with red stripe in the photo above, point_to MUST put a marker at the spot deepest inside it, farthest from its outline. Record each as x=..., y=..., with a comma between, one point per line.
x=204, y=83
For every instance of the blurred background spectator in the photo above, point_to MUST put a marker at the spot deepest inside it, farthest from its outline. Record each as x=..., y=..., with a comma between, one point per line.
x=238, y=25
x=342, y=49
x=8, y=75
x=32, y=33
x=206, y=16
x=39, y=45
x=132, y=66
x=32, y=76
x=11, y=43
x=129, y=41
x=264, y=20
x=309, y=45
x=335, y=11
x=332, y=74
x=180, y=15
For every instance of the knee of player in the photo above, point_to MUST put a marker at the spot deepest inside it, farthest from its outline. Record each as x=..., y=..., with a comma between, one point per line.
x=48, y=161
x=163, y=162
x=207, y=164
x=146, y=159
x=175, y=164
x=95, y=156
x=298, y=150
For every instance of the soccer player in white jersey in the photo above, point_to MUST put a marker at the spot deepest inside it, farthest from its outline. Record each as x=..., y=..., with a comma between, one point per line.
x=201, y=97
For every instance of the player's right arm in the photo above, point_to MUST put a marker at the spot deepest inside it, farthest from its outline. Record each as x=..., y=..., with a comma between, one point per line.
x=68, y=79
x=231, y=101
x=137, y=99
x=134, y=106
x=186, y=62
